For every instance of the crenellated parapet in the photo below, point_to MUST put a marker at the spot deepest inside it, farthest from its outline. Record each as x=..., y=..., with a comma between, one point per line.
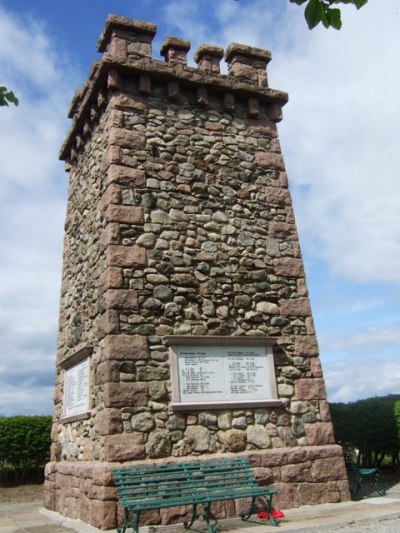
x=126, y=45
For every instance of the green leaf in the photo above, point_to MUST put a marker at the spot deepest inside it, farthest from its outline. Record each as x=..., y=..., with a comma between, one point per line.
x=12, y=98
x=7, y=96
x=313, y=13
x=335, y=19
x=318, y=11
x=357, y=3
x=360, y=3
x=3, y=100
x=325, y=18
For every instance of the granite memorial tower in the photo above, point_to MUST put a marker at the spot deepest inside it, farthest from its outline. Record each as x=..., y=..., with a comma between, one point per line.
x=185, y=325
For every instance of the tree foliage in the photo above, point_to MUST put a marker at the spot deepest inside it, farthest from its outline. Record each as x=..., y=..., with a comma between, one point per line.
x=24, y=446
x=397, y=418
x=323, y=11
x=7, y=97
x=371, y=426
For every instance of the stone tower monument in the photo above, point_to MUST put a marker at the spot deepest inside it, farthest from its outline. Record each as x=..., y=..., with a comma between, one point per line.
x=185, y=324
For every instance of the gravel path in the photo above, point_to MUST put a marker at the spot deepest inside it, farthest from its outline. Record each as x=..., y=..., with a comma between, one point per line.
x=388, y=525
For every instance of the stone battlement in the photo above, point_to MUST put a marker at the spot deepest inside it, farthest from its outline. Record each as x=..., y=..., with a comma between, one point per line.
x=126, y=45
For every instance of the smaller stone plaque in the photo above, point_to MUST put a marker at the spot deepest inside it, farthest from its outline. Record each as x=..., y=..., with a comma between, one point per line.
x=76, y=389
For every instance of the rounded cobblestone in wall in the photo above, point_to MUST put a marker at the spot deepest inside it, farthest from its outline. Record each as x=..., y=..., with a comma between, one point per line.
x=159, y=444
x=143, y=422
x=200, y=439
x=232, y=440
x=258, y=435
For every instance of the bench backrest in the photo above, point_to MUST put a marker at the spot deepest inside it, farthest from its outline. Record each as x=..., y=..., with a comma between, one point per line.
x=351, y=466
x=186, y=481
x=220, y=476
x=153, y=482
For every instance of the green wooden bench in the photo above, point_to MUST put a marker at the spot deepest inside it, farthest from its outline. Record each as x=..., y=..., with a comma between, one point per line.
x=146, y=487
x=361, y=475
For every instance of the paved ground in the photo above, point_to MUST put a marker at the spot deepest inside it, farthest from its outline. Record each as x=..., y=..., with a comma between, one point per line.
x=380, y=514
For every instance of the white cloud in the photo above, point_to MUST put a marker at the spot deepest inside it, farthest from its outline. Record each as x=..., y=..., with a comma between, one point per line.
x=361, y=306
x=363, y=379
x=340, y=144
x=14, y=38
x=362, y=342
x=254, y=23
x=362, y=363
x=30, y=400
x=32, y=203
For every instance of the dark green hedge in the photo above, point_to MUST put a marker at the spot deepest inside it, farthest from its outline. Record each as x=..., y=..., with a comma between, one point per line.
x=24, y=448
x=371, y=426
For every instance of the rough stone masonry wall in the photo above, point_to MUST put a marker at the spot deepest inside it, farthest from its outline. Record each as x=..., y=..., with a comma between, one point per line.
x=222, y=258
x=180, y=223
x=80, y=300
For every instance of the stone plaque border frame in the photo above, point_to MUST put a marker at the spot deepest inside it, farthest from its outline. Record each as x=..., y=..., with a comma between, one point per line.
x=71, y=360
x=173, y=341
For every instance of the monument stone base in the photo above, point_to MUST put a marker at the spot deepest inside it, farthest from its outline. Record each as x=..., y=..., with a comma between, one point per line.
x=302, y=476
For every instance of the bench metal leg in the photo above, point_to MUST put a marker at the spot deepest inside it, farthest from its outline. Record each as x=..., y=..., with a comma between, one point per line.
x=253, y=509
x=373, y=483
x=267, y=507
x=136, y=515
x=211, y=528
x=354, y=491
x=195, y=516
x=126, y=522
x=359, y=485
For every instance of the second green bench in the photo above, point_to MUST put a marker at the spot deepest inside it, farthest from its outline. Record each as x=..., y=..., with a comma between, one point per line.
x=361, y=475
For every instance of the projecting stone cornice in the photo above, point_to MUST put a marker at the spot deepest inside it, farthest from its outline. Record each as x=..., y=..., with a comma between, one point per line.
x=87, y=103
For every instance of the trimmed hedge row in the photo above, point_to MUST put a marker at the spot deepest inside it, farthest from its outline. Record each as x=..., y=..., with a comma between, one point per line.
x=24, y=448
x=372, y=427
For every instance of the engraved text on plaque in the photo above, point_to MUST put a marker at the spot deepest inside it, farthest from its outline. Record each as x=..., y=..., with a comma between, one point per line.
x=76, y=389
x=223, y=373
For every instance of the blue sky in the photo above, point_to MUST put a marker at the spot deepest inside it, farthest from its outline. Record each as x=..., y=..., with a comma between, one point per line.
x=339, y=137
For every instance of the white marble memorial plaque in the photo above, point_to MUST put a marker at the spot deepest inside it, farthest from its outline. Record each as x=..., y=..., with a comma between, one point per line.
x=223, y=373
x=76, y=389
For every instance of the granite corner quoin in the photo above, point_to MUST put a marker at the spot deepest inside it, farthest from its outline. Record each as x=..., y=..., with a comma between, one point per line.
x=180, y=222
